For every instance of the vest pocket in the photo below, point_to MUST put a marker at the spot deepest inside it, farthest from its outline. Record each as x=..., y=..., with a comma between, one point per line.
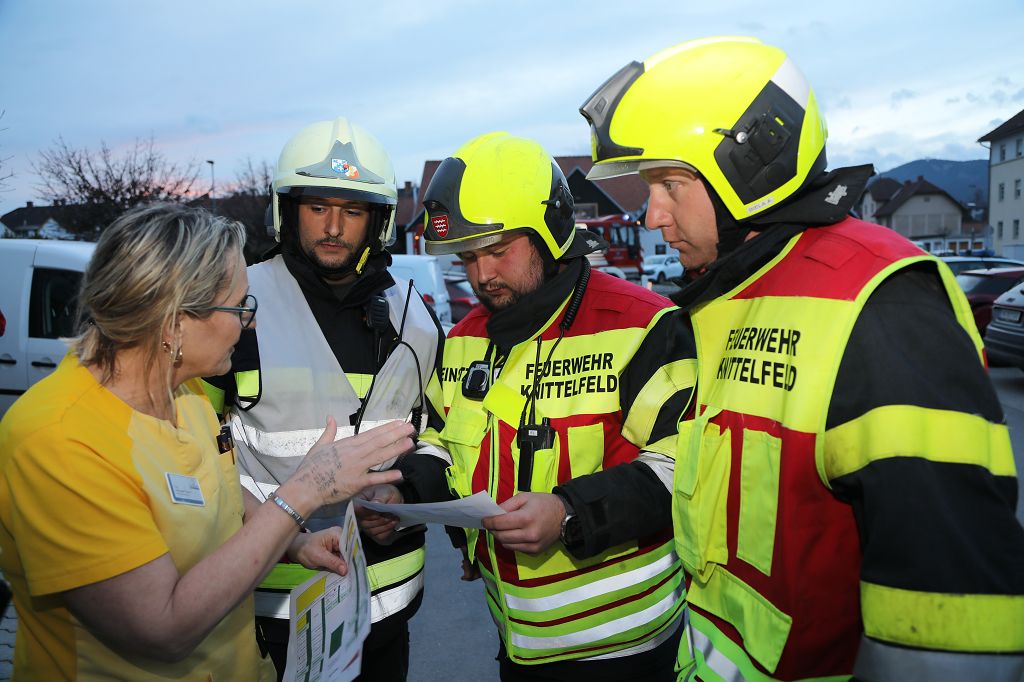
x=462, y=434
x=759, y=499
x=586, y=449
x=763, y=627
x=701, y=487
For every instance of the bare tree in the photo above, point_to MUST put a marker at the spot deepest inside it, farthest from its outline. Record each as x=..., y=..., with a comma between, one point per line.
x=97, y=186
x=5, y=172
x=247, y=203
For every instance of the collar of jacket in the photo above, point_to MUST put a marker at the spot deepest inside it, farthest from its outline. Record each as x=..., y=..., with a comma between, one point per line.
x=374, y=278
x=826, y=200
x=517, y=323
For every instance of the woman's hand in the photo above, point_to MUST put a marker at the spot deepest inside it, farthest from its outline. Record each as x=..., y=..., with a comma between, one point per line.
x=334, y=471
x=319, y=551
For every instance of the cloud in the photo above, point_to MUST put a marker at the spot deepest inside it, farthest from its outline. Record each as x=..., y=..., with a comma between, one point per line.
x=832, y=101
x=901, y=96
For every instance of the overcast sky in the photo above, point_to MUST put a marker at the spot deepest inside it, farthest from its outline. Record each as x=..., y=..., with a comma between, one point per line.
x=232, y=79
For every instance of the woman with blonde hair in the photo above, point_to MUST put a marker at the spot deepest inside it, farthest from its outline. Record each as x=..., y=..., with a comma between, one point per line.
x=131, y=547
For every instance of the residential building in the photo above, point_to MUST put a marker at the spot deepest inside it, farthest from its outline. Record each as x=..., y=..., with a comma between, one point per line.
x=923, y=213
x=877, y=195
x=406, y=210
x=37, y=222
x=1005, y=176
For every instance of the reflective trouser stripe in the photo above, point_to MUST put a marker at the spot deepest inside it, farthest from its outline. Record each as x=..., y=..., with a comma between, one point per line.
x=389, y=602
x=396, y=569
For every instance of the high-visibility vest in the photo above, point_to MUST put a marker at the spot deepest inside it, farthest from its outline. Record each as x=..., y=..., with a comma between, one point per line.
x=552, y=606
x=772, y=558
x=286, y=402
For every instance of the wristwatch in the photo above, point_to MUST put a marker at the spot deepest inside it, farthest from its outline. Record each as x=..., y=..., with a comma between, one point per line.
x=571, y=533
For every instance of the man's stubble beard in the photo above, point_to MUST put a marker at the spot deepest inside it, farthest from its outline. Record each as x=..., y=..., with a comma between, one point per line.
x=536, y=279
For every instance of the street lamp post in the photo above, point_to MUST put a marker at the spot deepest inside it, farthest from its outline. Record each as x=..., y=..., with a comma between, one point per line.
x=213, y=186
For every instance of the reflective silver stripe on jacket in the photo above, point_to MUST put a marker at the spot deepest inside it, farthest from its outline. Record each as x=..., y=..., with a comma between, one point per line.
x=715, y=659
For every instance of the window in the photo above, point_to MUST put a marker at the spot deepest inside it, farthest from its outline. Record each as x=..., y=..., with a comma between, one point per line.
x=1002, y=152
x=999, y=229
x=1002, y=191
x=1016, y=228
x=1020, y=146
x=53, y=304
x=659, y=249
x=586, y=210
x=1016, y=188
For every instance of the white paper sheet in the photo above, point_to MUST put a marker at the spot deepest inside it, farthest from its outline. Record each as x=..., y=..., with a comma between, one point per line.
x=330, y=617
x=464, y=513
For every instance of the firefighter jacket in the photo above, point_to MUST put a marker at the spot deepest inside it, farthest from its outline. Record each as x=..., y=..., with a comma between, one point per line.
x=626, y=598
x=282, y=402
x=792, y=574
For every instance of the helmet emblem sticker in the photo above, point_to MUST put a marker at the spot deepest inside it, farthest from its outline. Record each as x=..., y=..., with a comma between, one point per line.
x=345, y=168
x=342, y=164
x=440, y=224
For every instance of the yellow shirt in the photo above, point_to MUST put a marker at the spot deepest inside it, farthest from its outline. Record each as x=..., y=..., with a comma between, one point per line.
x=85, y=496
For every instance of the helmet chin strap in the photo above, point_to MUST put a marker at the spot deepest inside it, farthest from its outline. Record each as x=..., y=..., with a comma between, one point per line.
x=362, y=260
x=731, y=232
x=551, y=268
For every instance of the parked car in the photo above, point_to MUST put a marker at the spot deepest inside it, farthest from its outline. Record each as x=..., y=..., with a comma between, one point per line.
x=661, y=267
x=983, y=287
x=960, y=264
x=1004, y=337
x=39, y=283
x=425, y=273
x=460, y=296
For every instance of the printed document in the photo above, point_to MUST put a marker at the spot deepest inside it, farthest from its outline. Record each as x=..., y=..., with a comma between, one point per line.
x=464, y=513
x=330, y=618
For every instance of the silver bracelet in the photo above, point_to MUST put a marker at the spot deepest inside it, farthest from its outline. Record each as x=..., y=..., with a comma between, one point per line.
x=288, y=509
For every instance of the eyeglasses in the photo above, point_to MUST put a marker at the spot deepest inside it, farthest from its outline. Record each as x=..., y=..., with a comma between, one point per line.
x=246, y=312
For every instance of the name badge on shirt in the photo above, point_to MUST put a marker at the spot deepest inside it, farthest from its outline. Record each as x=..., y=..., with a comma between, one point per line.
x=185, y=490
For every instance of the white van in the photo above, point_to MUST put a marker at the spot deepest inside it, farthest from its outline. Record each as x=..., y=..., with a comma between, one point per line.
x=425, y=272
x=39, y=282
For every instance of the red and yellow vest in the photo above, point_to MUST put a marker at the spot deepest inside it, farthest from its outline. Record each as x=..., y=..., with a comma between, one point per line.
x=772, y=557
x=552, y=606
